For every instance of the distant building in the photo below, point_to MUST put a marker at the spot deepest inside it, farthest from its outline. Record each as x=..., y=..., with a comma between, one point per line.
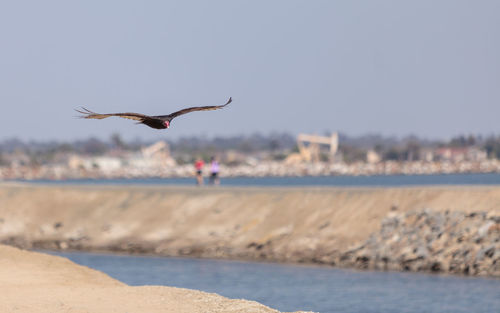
x=309, y=148
x=373, y=157
x=102, y=163
x=458, y=154
x=427, y=154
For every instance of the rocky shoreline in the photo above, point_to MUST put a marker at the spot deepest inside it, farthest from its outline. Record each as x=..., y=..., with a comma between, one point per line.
x=429, y=241
x=417, y=241
x=260, y=169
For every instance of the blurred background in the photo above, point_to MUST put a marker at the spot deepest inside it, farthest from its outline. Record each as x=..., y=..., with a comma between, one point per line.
x=391, y=80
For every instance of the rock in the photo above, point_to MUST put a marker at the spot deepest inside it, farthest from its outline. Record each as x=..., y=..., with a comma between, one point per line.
x=426, y=240
x=63, y=245
x=495, y=218
x=422, y=252
x=483, y=230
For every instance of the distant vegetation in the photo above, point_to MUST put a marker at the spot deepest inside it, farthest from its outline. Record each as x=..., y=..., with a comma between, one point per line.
x=274, y=146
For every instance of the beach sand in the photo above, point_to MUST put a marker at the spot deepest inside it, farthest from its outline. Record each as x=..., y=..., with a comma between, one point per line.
x=37, y=282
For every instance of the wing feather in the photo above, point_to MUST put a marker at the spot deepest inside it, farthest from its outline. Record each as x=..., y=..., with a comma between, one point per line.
x=93, y=115
x=192, y=109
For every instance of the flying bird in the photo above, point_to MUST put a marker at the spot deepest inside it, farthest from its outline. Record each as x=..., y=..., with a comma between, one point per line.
x=157, y=121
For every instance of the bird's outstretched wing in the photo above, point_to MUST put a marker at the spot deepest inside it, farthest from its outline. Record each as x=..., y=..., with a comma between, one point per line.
x=132, y=116
x=192, y=109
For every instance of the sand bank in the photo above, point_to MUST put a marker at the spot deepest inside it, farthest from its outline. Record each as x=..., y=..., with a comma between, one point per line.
x=279, y=224
x=36, y=282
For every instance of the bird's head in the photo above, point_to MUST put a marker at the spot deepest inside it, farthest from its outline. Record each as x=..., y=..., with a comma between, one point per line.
x=166, y=124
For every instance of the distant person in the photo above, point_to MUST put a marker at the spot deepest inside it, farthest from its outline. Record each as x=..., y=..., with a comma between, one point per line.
x=214, y=172
x=199, y=171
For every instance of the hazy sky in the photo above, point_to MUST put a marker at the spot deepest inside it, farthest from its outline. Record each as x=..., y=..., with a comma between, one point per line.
x=430, y=68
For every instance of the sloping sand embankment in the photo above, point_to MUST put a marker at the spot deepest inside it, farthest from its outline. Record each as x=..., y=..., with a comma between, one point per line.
x=279, y=224
x=36, y=282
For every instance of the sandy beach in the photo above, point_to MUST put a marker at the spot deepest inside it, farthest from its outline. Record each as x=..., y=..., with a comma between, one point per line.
x=37, y=282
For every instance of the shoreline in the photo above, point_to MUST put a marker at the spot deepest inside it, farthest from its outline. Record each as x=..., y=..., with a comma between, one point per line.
x=105, y=179
x=322, y=225
x=265, y=262
x=262, y=169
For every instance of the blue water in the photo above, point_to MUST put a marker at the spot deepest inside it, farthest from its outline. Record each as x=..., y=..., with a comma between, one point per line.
x=378, y=180
x=292, y=287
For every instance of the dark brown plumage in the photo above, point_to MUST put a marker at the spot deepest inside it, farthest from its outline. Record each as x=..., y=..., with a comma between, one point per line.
x=157, y=121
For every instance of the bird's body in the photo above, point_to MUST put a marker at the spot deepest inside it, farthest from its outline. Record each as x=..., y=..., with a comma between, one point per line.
x=157, y=121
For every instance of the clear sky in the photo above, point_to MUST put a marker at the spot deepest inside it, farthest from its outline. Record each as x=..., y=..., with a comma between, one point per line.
x=427, y=67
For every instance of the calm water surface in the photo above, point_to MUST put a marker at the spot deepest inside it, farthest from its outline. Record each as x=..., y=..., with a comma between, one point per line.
x=292, y=287
x=319, y=289
x=379, y=180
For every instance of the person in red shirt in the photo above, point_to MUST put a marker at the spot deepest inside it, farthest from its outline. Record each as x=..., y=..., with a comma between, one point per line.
x=199, y=171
